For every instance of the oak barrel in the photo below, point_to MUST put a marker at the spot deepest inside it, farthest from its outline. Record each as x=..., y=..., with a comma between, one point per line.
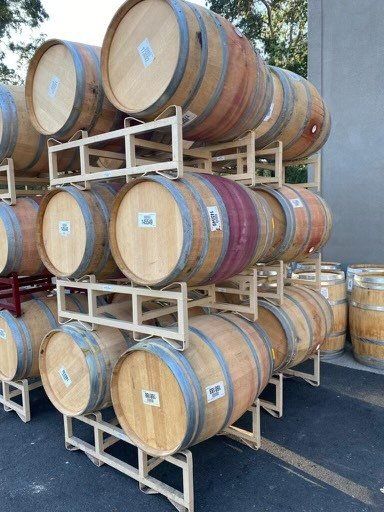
x=361, y=268
x=200, y=229
x=302, y=222
x=64, y=91
x=20, y=338
x=168, y=400
x=333, y=288
x=76, y=364
x=18, y=138
x=366, y=319
x=298, y=116
x=297, y=327
x=18, y=238
x=72, y=231
x=158, y=53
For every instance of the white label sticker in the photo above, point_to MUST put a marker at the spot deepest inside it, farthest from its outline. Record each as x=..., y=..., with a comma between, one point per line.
x=188, y=116
x=215, y=391
x=214, y=218
x=146, y=220
x=150, y=398
x=325, y=292
x=53, y=86
x=270, y=111
x=65, y=227
x=65, y=377
x=350, y=283
x=220, y=158
x=146, y=53
x=107, y=288
x=296, y=203
x=3, y=334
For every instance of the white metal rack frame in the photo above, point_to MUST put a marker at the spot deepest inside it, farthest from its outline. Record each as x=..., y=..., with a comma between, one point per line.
x=11, y=390
x=8, y=182
x=168, y=160
x=107, y=434
x=175, y=299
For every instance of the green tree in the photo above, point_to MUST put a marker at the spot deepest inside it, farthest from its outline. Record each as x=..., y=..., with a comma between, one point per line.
x=18, y=17
x=277, y=28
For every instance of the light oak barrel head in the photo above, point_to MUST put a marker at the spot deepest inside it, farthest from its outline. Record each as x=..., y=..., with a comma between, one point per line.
x=360, y=268
x=64, y=373
x=63, y=233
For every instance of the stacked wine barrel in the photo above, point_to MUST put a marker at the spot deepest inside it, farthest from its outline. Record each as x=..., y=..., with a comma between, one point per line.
x=201, y=229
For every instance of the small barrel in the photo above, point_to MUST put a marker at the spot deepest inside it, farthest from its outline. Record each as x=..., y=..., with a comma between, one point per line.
x=197, y=60
x=18, y=238
x=167, y=400
x=366, y=319
x=72, y=231
x=18, y=138
x=20, y=337
x=302, y=222
x=76, y=364
x=298, y=116
x=296, y=328
x=64, y=91
x=333, y=288
x=361, y=268
x=200, y=229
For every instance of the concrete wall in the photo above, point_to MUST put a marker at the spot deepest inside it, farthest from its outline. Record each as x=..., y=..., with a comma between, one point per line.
x=346, y=62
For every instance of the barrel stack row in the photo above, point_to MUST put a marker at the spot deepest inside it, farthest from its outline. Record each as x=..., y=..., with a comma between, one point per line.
x=200, y=229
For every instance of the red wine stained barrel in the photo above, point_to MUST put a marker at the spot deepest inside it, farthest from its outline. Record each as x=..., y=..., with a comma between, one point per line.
x=201, y=229
x=302, y=222
x=298, y=116
x=158, y=53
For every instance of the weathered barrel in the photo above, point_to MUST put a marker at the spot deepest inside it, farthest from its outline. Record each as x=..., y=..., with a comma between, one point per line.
x=361, y=268
x=333, y=288
x=298, y=116
x=18, y=138
x=197, y=60
x=201, y=229
x=302, y=222
x=20, y=337
x=72, y=231
x=18, y=238
x=64, y=91
x=168, y=400
x=76, y=364
x=366, y=319
x=296, y=328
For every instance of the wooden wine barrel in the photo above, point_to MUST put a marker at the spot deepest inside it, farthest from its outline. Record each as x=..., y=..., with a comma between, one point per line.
x=361, y=268
x=302, y=222
x=161, y=53
x=64, y=91
x=72, y=231
x=201, y=229
x=366, y=319
x=333, y=288
x=76, y=364
x=167, y=400
x=294, y=328
x=18, y=138
x=20, y=338
x=298, y=116
x=18, y=238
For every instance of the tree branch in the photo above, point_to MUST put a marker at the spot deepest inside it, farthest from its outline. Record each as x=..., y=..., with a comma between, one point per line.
x=269, y=11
